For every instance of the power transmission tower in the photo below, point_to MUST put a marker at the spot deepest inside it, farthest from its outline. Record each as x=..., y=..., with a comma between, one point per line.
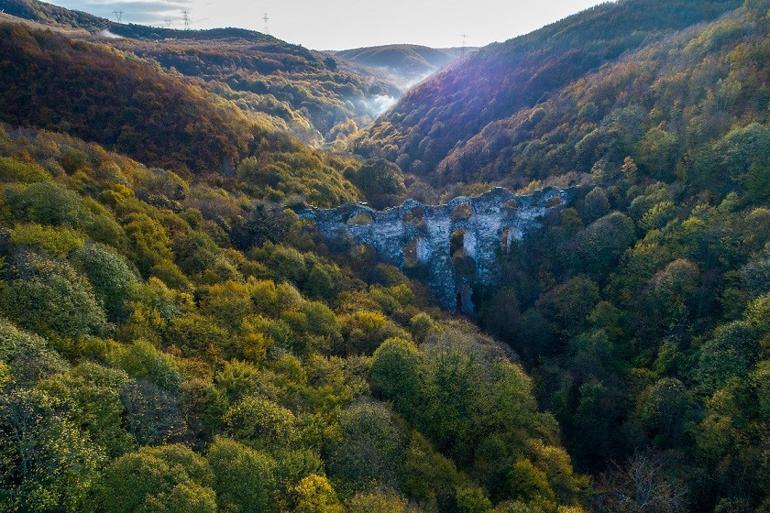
x=118, y=16
x=167, y=22
x=463, y=44
x=266, y=19
x=186, y=18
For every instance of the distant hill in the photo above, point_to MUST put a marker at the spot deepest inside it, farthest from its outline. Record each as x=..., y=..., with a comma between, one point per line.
x=302, y=91
x=46, y=13
x=440, y=116
x=406, y=64
x=95, y=93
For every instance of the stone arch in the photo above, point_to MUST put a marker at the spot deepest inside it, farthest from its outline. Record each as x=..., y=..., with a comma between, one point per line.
x=415, y=216
x=360, y=218
x=461, y=212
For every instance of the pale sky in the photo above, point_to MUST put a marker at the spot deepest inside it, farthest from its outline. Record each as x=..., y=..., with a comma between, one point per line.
x=342, y=24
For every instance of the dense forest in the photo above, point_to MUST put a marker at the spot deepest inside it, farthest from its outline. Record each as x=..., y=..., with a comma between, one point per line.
x=174, y=337
x=501, y=79
x=318, y=97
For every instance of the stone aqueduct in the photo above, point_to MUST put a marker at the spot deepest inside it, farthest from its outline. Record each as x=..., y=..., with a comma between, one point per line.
x=458, y=243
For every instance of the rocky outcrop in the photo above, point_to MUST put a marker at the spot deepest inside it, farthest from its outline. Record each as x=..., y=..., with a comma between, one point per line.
x=457, y=244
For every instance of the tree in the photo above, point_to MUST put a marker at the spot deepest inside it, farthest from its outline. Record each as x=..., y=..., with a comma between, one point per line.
x=163, y=479
x=395, y=374
x=91, y=394
x=244, y=479
x=153, y=415
x=51, y=298
x=381, y=181
x=657, y=153
x=570, y=303
x=639, y=486
x=316, y=495
x=48, y=203
x=664, y=409
x=370, y=449
x=730, y=352
x=603, y=242
x=261, y=423
x=143, y=361
x=364, y=331
x=27, y=356
x=378, y=502
x=428, y=476
x=46, y=462
x=110, y=276
x=595, y=205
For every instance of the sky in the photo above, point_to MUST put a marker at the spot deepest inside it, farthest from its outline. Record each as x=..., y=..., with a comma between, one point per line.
x=342, y=24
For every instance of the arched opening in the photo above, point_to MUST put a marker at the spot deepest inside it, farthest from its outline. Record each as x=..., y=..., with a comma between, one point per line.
x=464, y=300
x=362, y=218
x=505, y=239
x=410, y=253
x=415, y=216
x=457, y=244
x=462, y=212
x=512, y=204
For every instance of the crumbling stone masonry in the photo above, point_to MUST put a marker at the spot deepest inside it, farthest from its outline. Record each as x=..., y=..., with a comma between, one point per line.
x=458, y=244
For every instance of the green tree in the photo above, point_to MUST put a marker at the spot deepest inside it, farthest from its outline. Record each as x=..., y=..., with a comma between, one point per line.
x=51, y=298
x=657, y=153
x=90, y=394
x=111, y=278
x=163, y=479
x=27, y=356
x=381, y=181
x=244, y=479
x=370, y=450
x=261, y=423
x=46, y=462
x=664, y=409
x=395, y=374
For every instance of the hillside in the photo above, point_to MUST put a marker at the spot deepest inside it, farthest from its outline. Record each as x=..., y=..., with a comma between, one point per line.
x=180, y=332
x=98, y=94
x=94, y=92
x=404, y=64
x=176, y=345
x=500, y=80
x=641, y=311
x=302, y=91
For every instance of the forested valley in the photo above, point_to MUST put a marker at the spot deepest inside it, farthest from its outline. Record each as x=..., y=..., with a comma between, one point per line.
x=176, y=337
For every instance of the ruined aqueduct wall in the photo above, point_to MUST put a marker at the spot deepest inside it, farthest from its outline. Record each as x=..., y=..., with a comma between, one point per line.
x=458, y=243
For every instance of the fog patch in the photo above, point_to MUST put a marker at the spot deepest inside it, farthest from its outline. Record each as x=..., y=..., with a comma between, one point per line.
x=376, y=105
x=106, y=34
